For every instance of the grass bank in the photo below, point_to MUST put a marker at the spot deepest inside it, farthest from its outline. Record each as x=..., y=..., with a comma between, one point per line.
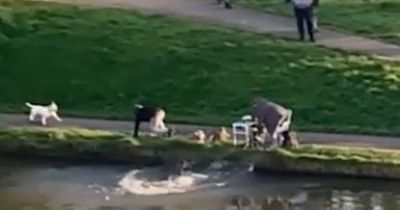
x=75, y=143
x=78, y=143
x=375, y=19
x=99, y=62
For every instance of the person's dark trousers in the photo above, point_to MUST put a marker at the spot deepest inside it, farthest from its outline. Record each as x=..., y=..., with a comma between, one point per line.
x=227, y=3
x=304, y=15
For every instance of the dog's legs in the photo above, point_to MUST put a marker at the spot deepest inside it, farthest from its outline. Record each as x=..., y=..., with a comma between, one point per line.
x=160, y=127
x=55, y=115
x=153, y=125
x=136, y=128
x=44, y=121
x=286, y=139
x=31, y=117
x=159, y=122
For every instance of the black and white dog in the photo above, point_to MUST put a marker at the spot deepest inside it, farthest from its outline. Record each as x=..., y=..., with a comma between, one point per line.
x=154, y=115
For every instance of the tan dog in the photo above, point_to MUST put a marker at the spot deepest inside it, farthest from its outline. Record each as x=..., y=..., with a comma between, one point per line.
x=199, y=136
x=222, y=135
x=218, y=136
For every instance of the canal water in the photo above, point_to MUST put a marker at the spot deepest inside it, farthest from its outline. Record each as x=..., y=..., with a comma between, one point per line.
x=39, y=185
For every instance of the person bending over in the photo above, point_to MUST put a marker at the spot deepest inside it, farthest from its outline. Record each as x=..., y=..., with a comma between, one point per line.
x=274, y=117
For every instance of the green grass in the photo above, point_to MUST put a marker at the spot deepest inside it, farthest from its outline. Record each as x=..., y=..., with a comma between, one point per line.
x=100, y=62
x=58, y=133
x=83, y=139
x=79, y=143
x=348, y=153
x=62, y=141
x=373, y=18
x=69, y=134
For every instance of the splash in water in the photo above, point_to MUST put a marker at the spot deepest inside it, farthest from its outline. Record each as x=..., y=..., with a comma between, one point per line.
x=132, y=183
x=155, y=181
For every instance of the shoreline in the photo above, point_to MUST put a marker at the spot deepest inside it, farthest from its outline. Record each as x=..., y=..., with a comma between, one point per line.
x=353, y=140
x=114, y=147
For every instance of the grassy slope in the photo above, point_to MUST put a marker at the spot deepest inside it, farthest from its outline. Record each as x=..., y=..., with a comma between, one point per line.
x=113, y=143
x=99, y=62
x=78, y=142
x=376, y=19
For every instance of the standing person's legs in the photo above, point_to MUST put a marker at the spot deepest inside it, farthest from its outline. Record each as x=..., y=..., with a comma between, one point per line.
x=299, y=13
x=308, y=16
x=228, y=4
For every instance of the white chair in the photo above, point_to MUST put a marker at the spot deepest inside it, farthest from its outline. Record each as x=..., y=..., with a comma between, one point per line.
x=241, y=129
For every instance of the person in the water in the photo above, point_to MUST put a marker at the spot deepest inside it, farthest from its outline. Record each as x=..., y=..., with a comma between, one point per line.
x=185, y=166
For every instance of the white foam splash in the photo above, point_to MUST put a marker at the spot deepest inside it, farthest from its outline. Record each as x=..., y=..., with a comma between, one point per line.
x=158, y=181
x=173, y=185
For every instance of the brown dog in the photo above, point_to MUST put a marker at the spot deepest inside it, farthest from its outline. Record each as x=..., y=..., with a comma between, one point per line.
x=221, y=136
x=199, y=136
x=218, y=136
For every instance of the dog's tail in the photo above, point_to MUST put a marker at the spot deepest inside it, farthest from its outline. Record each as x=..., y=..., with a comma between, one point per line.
x=28, y=104
x=138, y=106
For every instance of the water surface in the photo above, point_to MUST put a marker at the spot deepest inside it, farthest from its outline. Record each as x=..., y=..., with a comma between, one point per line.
x=35, y=185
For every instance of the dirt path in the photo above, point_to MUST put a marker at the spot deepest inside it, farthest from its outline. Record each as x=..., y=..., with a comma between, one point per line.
x=124, y=126
x=207, y=10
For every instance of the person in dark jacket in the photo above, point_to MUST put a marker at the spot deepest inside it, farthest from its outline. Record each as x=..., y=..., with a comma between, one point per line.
x=274, y=117
x=303, y=10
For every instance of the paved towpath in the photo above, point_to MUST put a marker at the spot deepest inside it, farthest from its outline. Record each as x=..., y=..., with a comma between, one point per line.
x=208, y=10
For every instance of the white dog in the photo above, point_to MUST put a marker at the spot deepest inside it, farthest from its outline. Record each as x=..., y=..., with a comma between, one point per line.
x=44, y=112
